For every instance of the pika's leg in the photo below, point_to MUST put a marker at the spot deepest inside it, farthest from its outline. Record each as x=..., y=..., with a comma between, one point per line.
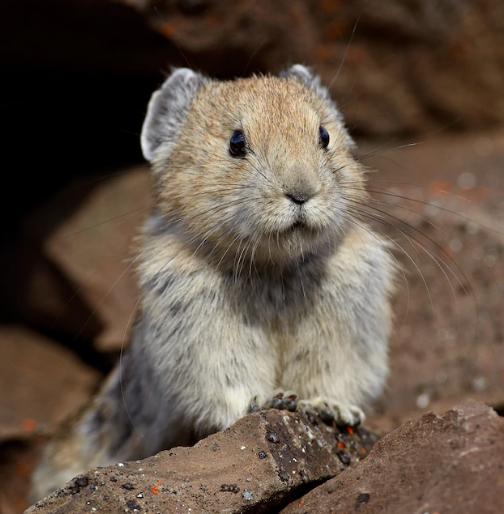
x=336, y=352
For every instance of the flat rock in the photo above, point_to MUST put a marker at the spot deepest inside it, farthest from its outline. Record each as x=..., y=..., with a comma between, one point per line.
x=41, y=383
x=93, y=251
x=435, y=464
x=259, y=463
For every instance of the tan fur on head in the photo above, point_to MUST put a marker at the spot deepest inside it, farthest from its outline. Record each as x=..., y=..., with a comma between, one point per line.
x=245, y=202
x=256, y=272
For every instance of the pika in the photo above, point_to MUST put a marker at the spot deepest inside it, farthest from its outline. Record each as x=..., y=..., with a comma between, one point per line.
x=260, y=283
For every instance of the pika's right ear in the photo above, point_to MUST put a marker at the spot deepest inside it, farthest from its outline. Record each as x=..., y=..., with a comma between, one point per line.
x=305, y=76
x=167, y=110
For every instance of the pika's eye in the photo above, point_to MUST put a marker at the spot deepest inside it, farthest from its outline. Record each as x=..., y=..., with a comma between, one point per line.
x=323, y=137
x=237, y=144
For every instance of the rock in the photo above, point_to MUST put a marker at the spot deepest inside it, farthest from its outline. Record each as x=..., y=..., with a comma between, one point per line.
x=41, y=383
x=447, y=346
x=36, y=293
x=78, y=277
x=403, y=68
x=444, y=464
x=259, y=463
x=93, y=248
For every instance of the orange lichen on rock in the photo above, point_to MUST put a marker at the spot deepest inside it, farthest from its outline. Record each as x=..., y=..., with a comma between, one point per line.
x=29, y=425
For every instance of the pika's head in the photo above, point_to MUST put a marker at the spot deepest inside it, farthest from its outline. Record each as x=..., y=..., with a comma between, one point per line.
x=261, y=166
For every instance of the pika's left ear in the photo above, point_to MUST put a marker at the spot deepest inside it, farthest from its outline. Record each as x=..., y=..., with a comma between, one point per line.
x=305, y=76
x=167, y=111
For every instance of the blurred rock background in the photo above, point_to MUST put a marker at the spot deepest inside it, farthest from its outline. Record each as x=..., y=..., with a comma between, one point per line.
x=420, y=85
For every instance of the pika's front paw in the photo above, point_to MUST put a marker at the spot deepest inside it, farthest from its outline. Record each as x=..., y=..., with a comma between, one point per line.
x=330, y=410
x=283, y=400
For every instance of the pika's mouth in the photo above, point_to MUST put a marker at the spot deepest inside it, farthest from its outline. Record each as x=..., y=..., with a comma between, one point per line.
x=298, y=227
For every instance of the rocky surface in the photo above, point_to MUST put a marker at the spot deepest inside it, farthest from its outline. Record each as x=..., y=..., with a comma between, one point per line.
x=406, y=67
x=441, y=202
x=258, y=464
x=41, y=383
x=448, y=463
x=436, y=464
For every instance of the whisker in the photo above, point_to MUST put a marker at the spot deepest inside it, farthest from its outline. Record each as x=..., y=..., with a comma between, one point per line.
x=443, y=251
x=124, y=214
x=414, y=241
x=94, y=311
x=427, y=220
x=399, y=267
x=405, y=253
x=444, y=209
x=76, y=292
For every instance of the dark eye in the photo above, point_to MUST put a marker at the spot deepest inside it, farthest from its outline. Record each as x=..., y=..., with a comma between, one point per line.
x=323, y=137
x=237, y=144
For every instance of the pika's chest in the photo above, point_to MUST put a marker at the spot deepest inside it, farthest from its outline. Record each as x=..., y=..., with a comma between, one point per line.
x=280, y=306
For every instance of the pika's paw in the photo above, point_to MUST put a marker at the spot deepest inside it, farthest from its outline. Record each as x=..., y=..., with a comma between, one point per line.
x=283, y=400
x=329, y=410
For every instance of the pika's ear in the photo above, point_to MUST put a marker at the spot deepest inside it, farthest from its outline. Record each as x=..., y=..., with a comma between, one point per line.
x=167, y=110
x=305, y=76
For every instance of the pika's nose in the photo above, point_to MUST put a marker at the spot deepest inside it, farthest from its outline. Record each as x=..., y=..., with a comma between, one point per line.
x=299, y=197
x=300, y=183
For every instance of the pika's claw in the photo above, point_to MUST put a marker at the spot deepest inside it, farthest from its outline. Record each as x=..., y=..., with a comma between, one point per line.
x=343, y=414
x=290, y=400
x=276, y=401
x=253, y=405
x=281, y=400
